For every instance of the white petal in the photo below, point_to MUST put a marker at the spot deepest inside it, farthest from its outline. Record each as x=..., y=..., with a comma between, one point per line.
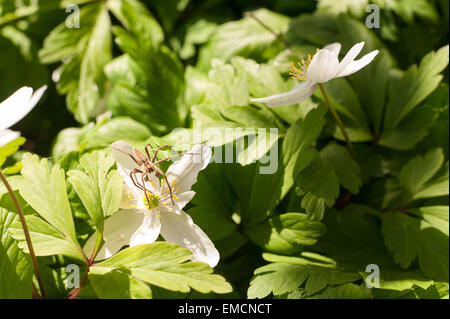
x=333, y=47
x=148, y=232
x=294, y=96
x=15, y=107
x=117, y=233
x=181, y=230
x=323, y=66
x=350, y=56
x=7, y=136
x=357, y=65
x=131, y=197
x=121, y=151
x=183, y=173
x=183, y=199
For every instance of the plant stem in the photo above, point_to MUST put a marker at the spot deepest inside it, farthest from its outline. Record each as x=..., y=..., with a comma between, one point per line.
x=265, y=26
x=338, y=120
x=26, y=232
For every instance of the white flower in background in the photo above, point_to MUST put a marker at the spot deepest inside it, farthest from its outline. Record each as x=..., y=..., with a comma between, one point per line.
x=321, y=68
x=14, y=108
x=141, y=220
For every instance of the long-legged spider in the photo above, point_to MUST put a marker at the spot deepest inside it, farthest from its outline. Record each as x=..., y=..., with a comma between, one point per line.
x=148, y=165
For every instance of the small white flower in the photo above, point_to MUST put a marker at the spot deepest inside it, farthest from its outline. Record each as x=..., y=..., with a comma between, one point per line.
x=321, y=68
x=14, y=108
x=141, y=220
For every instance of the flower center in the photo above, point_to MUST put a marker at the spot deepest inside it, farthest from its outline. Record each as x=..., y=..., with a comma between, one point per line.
x=300, y=72
x=152, y=201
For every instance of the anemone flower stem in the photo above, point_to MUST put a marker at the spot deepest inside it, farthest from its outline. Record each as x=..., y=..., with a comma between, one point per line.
x=99, y=242
x=338, y=120
x=26, y=232
x=265, y=26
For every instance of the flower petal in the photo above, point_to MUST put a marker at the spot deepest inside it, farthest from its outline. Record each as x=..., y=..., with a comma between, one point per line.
x=15, y=107
x=357, y=65
x=131, y=197
x=183, y=173
x=148, y=232
x=181, y=230
x=350, y=56
x=183, y=199
x=7, y=136
x=117, y=233
x=333, y=47
x=294, y=96
x=323, y=66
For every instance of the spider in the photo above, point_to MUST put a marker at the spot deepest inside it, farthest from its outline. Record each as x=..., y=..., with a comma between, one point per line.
x=148, y=165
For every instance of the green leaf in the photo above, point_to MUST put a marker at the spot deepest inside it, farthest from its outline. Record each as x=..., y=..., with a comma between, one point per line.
x=46, y=239
x=15, y=266
x=286, y=234
x=412, y=129
x=168, y=11
x=10, y=148
x=347, y=6
x=226, y=88
x=413, y=87
x=345, y=291
x=118, y=284
x=165, y=265
x=280, y=278
x=409, y=237
x=345, y=168
x=436, y=216
x=399, y=233
x=315, y=206
x=137, y=19
x=320, y=179
x=346, y=101
x=84, y=52
x=45, y=191
x=102, y=135
x=400, y=280
x=99, y=189
x=155, y=94
x=420, y=177
x=248, y=116
x=254, y=40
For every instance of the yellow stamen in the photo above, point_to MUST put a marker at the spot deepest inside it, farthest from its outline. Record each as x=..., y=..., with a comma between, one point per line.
x=152, y=202
x=300, y=73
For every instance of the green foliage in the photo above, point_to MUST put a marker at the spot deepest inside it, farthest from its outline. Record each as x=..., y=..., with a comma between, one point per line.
x=99, y=190
x=45, y=191
x=159, y=264
x=84, y=51
x=296, y=215
x=15, y=265
x=9, y=149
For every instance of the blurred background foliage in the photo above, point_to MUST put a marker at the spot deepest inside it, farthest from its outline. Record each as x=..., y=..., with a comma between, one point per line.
x=195, y=31
x=160, y=65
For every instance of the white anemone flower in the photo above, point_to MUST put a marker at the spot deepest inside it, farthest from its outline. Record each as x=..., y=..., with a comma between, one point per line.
x=14, y=108
x=142, y=218
x=321, y=68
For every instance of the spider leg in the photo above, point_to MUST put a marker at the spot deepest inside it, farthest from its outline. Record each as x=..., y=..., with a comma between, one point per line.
x=147, y=146
x=145, y=189
x=168, y=158
x=134, y=178
x=130, y=155
x=168, y=184
x=155, y=154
